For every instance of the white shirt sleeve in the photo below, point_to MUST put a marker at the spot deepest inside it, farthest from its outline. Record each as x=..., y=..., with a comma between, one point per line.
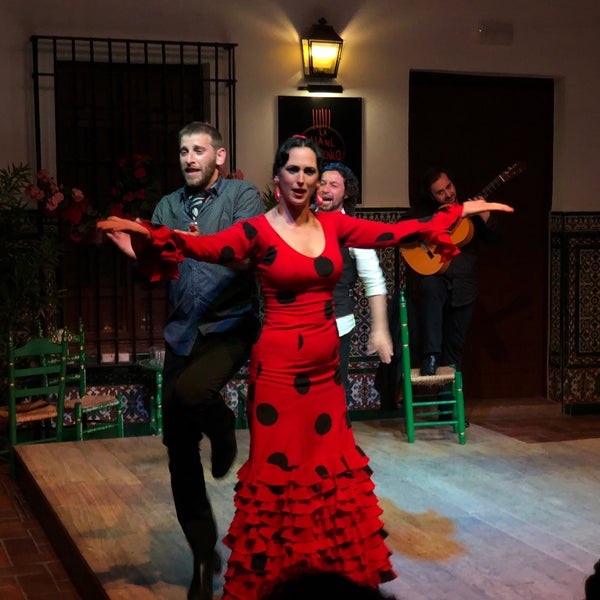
x=369, y=271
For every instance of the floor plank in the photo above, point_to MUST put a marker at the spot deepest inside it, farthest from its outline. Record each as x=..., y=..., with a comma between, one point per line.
x=501, y=517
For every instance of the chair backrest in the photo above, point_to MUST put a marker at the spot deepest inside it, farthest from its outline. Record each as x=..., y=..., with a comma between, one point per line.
x=36, y=369
x=75, y=363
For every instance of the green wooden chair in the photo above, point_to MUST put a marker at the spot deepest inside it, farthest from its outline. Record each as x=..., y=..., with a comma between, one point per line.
x=429, y=401
x=92, y=413
x=36, y=394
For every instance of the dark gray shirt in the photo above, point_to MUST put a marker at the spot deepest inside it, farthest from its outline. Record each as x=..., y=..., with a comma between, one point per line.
x=209, y=298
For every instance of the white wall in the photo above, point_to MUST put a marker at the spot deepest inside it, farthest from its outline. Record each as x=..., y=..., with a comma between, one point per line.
x=383, y=40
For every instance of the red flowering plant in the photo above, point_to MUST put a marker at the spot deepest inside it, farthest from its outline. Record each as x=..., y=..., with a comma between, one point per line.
x=73, y=208
x=136, y=192
x=237, y=174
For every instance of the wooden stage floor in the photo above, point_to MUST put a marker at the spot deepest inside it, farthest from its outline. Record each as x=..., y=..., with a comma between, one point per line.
x=503, y=517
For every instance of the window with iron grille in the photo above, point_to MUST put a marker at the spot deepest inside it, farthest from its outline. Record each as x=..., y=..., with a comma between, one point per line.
x=100, y=104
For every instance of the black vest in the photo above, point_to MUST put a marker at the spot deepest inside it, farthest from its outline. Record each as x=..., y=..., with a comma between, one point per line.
x=343, y=296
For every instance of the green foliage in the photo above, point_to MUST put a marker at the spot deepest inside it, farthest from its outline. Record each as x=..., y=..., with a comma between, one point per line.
x=13, y=180
x=268, y=197
x=29, y=256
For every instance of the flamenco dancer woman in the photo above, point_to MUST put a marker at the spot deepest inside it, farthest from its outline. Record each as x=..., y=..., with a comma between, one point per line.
x=305, y=498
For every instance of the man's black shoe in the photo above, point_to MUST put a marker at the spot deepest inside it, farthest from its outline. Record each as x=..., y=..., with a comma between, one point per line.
x=201, y=587
x=429, y=365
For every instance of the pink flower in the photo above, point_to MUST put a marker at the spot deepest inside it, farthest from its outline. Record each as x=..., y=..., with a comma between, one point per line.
x=54, y=201
x=139, y=173
x=34, y=192
x=43, y=176
x=77, y=195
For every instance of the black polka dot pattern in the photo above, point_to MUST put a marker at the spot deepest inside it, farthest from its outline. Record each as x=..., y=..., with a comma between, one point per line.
x=322, y=471
x=266, y=414
x=408, y=239
x=249, y=230
x=300, y=341
x=227, y=255
x=285, y=297
x=270, y=256
x=277, y=489
x=323, y=424
x=279, y=460
x=323, y=266
x=385, y=237
x=258, y=562
x=302, y=384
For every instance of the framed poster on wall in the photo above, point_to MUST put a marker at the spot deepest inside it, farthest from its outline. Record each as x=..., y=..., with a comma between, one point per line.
x=335, y=124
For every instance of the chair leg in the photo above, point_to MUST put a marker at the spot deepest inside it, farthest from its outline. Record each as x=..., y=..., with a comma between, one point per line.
x=120, y=425
x=460, y=407
x=78, y=421
x=241, y=421
x=159, y=420
x=152, y=410
x=409, y=417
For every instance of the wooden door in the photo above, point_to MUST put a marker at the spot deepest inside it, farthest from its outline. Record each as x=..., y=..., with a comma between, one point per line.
x=476, y=126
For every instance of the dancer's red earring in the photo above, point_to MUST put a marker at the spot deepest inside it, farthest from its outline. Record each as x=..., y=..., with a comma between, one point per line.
x=319, y=199
x=276, y=190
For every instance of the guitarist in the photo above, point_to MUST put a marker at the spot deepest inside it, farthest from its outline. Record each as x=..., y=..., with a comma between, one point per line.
x=445, y=301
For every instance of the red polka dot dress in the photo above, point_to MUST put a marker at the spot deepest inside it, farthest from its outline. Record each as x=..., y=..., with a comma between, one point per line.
x=305, y=495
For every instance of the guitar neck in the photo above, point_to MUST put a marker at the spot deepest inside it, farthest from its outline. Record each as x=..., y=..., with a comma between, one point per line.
x=491, y=187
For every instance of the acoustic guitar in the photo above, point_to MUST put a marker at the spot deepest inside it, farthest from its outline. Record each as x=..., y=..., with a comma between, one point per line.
x=420, y=255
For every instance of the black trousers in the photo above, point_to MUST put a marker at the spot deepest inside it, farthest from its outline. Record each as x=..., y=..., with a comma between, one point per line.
x=193, y=405
x=443, y=326
x=345, y=345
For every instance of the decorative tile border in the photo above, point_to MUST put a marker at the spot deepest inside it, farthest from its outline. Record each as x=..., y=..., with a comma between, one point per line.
x=574, y=295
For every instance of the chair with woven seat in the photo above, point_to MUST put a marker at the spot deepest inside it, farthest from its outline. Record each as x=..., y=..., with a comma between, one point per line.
x=432, y=400
x=36, y=392
x=92, y=413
